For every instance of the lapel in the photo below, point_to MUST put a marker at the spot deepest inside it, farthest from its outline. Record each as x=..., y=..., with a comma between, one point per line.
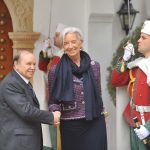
x=31, y=91
x=23, y=84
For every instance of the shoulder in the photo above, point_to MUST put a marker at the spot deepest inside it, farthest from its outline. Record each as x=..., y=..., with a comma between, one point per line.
x=8, y=79
x=95, y=64
x=51, y=71
x=13, y=80
x=96, y=68
x=8, y=82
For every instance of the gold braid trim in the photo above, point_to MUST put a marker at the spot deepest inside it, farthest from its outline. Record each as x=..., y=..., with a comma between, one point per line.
x=132, y=80
x=121, y=65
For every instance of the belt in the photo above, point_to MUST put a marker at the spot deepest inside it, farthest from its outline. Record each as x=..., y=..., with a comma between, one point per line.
x=140, y=109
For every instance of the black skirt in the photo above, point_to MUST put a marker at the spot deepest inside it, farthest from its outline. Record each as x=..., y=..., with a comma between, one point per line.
x=83, y=135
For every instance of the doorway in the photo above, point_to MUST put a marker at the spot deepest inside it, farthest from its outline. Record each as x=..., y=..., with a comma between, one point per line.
x=6, y=50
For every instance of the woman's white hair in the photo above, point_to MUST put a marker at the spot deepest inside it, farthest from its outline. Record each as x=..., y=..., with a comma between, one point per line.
x=75, y=30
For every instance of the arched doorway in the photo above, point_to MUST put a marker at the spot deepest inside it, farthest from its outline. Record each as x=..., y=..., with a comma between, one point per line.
x=6, y=51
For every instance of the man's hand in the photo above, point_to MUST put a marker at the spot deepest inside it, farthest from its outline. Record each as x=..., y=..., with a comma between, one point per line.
x=142, y=132
x=57, y=115
x=128, y=51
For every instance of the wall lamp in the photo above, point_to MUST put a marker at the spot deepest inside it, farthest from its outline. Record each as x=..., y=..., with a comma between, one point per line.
x=127, y=16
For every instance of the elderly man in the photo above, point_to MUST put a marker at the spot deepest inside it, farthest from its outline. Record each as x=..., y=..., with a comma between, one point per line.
x=136, y=75
x=21, y=118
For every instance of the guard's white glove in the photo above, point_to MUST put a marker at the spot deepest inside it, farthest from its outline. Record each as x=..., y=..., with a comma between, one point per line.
x=46, y=45
x=128, y=51
x=142, y=132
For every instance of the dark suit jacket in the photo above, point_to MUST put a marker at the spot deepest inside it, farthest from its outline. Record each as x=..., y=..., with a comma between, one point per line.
x=20, y=116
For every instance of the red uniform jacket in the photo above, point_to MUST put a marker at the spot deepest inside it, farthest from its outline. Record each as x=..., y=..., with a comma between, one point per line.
x=46, y=63
x=138, y=89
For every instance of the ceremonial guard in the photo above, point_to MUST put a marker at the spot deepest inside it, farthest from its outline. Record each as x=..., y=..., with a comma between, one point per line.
x=51, y=51
x=136, y=75
x=50, y=55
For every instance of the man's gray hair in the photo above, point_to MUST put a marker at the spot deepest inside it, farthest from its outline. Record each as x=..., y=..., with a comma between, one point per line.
x=75, y=30
x=18, y=55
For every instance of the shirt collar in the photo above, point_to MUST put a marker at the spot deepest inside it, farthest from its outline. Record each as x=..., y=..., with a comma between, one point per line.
x=24, y=79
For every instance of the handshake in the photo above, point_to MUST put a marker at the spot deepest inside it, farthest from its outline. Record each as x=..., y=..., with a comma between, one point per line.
x=56, y=115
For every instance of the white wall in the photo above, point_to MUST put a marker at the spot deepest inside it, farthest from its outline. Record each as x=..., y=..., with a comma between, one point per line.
x=101, y=6
x=122, y=132
x=100, y=45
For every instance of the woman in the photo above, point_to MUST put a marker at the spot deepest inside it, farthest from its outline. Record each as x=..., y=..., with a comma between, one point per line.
x=74, y=89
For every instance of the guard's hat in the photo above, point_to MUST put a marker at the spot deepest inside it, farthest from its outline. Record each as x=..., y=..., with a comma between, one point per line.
x=146, y=27
x=60, y=27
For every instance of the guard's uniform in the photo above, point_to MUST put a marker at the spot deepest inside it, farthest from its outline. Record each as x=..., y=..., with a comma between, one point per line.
x=45, y=63
x=139, y=91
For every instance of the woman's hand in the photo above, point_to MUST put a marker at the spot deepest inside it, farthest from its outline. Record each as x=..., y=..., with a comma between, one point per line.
x=57, y=115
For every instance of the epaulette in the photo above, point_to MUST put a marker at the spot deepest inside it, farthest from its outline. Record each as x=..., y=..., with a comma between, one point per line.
x=121, y=66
